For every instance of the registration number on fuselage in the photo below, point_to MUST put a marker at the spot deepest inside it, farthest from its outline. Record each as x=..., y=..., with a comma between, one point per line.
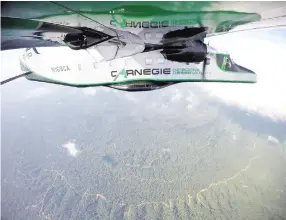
x=58, y=69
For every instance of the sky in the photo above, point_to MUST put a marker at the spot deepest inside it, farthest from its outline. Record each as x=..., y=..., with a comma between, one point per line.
x=262, y=51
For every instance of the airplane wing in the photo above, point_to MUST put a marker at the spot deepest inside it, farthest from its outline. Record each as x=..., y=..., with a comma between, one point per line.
x=152, y=23
x=22, y=33
x=31, y=32
x=170, y=36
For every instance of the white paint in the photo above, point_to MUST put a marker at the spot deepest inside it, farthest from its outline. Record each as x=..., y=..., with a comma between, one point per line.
x=71, y=148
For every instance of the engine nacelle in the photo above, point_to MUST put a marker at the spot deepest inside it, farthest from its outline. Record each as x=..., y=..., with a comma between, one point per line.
x=185, y=51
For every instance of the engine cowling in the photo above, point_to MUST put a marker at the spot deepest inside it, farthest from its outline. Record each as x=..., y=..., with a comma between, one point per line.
x=196, y=33
x=185, y=51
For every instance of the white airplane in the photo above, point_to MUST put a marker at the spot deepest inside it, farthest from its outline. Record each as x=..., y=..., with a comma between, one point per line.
x=106, y=50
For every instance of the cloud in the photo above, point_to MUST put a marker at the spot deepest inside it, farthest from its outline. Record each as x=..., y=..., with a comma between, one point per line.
x=89, y=91
x=192, y=101
x=189, y=106
x=38, y=92
x=266, y=57
x=130, y=97
x=177, y=96
x=164, y=106
x=265, y=9
x=10, y=65
x=273, y=140
x=70, y=146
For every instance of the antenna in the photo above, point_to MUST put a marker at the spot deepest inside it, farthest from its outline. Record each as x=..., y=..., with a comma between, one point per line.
x=15, y=77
